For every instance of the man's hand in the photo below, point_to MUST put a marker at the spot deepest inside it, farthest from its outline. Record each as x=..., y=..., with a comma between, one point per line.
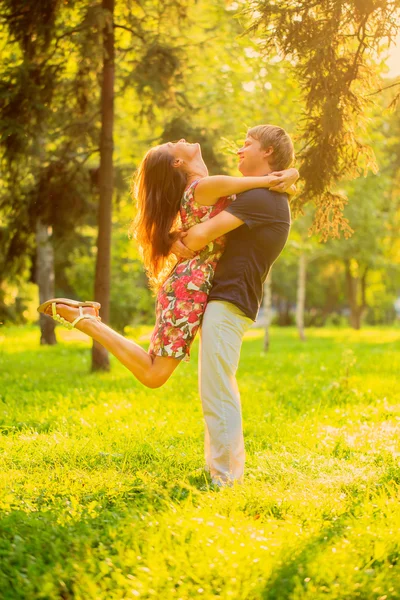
x=284, y=180
x=179, y=249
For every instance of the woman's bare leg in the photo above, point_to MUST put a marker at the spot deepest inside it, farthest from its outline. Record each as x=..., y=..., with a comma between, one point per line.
x=152, y=371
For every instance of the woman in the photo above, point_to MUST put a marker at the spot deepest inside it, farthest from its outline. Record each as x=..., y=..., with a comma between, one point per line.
x=172, y=179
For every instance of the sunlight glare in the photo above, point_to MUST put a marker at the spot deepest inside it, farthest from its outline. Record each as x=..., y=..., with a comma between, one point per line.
x=393, y=61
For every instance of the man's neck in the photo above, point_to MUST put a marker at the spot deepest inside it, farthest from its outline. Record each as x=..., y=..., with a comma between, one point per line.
x=259, y=172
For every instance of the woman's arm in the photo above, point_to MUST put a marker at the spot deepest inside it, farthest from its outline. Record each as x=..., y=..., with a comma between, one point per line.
x=209, y=189
x=202, y=234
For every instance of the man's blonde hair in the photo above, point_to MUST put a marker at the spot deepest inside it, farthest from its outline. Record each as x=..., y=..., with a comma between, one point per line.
x=271, y=135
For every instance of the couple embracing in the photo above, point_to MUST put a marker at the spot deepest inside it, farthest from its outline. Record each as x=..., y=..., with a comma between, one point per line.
x=234, y=228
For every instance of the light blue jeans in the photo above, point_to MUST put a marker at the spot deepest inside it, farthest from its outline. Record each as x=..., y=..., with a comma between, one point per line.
x=221, y=338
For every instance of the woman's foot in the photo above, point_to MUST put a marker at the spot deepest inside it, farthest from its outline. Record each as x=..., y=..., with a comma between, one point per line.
x=70, y=313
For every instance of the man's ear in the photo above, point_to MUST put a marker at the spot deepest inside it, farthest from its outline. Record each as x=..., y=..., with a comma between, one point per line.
x=178, y=162
x=268, y=151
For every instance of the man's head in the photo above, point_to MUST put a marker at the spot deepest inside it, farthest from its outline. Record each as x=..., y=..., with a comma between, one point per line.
x=266, y=148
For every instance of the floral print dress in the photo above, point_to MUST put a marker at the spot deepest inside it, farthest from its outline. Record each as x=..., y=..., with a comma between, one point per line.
x=182, y=299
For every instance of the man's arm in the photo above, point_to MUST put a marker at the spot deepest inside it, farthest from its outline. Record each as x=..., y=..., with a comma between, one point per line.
x=256, y=207
x=202, y=234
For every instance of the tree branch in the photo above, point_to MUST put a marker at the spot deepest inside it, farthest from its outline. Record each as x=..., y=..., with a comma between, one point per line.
x=132, y=31
x=384, y=88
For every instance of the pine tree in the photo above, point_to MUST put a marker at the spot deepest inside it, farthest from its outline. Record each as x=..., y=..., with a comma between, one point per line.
x=332, y=46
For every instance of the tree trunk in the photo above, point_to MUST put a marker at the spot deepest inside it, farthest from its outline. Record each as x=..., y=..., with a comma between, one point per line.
x=45, y=280
x=364, y=291
x=100, y=358
x=357, y=309
x=301, y=295
x=267, y=309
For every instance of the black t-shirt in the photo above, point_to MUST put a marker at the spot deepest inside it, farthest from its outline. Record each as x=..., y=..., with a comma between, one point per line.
x=251, y=248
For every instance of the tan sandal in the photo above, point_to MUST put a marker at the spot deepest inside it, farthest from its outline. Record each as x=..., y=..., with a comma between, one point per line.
x=54, y=301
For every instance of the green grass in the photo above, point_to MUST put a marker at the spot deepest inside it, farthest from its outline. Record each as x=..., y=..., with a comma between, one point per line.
x=103, y=493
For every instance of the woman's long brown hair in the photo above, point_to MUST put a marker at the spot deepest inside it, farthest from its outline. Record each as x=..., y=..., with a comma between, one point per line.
x=158, y=188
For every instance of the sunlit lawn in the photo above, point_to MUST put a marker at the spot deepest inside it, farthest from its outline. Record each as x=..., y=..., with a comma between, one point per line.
x=104, y=496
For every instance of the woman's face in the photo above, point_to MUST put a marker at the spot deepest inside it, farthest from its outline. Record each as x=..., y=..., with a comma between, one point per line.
x=183, y=150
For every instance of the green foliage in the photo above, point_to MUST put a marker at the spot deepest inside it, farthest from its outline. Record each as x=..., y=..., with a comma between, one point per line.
x=103, y=493
x=46, y=129
x=53, y=150
x=188, y=69
x=131, y=300
x=333, y=48
x=370, y=254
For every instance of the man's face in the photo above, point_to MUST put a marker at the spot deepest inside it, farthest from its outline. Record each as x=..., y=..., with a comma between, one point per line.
x=252, y=158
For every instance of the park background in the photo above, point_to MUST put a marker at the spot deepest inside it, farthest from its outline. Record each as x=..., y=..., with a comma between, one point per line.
x=103, y=489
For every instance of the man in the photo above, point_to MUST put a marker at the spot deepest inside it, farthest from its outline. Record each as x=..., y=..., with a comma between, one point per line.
x=257, y=223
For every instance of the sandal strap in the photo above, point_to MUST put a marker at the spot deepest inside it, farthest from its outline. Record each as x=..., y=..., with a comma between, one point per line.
x=62, y=321
x=92, y=317
x=78, y=318
x=66, y=323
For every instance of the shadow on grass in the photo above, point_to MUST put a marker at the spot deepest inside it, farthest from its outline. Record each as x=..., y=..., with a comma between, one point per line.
x=293, y=572
x=39, y=554
x=45, y=553
x=54, y=551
